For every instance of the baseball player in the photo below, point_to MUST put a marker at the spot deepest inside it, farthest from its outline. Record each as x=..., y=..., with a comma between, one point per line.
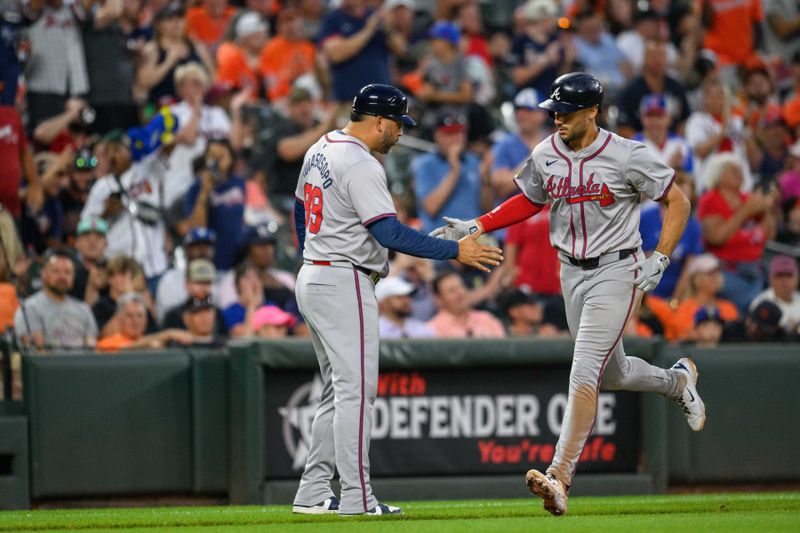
x=593, y=180
x=345, y=222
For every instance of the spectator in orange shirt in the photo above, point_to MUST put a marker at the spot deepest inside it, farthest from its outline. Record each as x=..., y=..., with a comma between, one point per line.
x=238, y=62
x=208, y=22
x=287, y=56
x=132, y=320
x=456, y=318
x=730, y=29
x=8, y=295
x=705, y=281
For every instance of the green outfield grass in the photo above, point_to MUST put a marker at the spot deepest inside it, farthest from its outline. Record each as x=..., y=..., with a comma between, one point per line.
x=759, y=512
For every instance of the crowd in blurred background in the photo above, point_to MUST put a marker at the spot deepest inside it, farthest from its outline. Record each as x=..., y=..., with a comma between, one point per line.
x=191, y=243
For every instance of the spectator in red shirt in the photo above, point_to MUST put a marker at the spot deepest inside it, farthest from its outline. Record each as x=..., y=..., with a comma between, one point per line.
x=473, y=36
x=528, y=251
x=17, y=160
x=735, y=226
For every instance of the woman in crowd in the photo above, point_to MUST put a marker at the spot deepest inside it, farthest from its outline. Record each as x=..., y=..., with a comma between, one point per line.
x=735, y=226
x=170, y=49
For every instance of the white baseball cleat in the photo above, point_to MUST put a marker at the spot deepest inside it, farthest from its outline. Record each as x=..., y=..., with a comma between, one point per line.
x=379, y=510
x=329, y=506
x=549, y=489
x=689, y=400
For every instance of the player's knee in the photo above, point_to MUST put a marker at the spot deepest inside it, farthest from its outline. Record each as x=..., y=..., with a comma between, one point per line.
x=612, y=381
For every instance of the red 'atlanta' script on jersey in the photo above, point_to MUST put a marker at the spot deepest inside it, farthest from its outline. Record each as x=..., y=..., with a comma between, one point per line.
x=587, y=192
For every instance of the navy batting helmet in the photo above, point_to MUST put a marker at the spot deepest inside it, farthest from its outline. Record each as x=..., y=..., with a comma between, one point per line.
x=383, y=101
x=573, y=92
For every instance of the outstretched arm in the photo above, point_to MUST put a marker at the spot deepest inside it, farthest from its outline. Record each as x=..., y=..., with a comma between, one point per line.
x=515, y=209
x=392, y=234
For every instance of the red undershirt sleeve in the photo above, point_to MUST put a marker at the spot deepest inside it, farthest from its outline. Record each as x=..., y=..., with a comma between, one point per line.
x=515, y=209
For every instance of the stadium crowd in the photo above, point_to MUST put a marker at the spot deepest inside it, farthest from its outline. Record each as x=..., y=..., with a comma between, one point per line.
x=190, y=243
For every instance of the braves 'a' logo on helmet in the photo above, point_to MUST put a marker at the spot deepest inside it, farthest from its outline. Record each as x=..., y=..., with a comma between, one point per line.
x=556, y=94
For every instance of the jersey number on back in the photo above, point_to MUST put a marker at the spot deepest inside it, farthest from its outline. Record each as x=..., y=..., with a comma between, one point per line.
x=312, y=200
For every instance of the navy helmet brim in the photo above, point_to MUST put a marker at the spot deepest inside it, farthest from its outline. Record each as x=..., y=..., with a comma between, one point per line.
x=405, y=120
x=559, y=107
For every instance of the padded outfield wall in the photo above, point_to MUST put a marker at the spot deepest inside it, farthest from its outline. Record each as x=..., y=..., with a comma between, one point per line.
x=455, y=418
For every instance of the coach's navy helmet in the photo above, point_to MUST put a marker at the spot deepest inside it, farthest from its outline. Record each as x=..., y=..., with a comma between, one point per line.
x=573, y=92
x=381, y=100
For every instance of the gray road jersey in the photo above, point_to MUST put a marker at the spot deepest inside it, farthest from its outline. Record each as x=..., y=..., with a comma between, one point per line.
x=343, y=189
x=594, y=192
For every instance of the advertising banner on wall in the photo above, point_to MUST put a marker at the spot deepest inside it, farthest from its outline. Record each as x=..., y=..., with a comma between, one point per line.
x=454, y=421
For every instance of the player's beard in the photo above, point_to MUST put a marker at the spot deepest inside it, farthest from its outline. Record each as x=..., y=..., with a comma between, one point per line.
x=387, y=142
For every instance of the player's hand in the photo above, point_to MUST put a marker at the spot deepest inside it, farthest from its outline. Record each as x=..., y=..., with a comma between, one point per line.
x=476, y=255
x=651, y=270
x=456, y=229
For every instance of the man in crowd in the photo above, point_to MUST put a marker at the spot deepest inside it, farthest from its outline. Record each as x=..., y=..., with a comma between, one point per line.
x=199, y=278
x=446, y=87
x=394, y=306
x=216, y=201
x=90, y=243
x=282, y=155
x=201, y=318
x=56, y=65
x=128, y=199
x=455, y=317
x=653, y=80
x=656, y=134
x=287, y=56
x=525, y=315
x=763, y=323
x=198, y=244
x=708, y=327
x=782, y=291
x=540, y=52
x=448, y=182
x=355, y=42
x=51, y=318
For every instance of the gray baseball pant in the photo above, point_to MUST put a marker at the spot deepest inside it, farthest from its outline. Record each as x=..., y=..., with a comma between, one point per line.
x=599, y=303
x=341, y=311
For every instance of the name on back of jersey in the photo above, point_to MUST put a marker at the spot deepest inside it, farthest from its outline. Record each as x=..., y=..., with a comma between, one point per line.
x=319, y=162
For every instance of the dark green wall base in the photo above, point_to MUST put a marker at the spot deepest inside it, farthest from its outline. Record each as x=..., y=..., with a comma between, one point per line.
x=475, y=487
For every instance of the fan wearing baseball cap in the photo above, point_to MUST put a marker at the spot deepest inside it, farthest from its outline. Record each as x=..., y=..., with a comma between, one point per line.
x=658, y=135
x=271, y=322
x=394, y=305
x=708, y=326
x=446, y=87
x=238, y=61
x=91, y=244
x=197, y=244
x=200, y=276
x=449, y=182
x=782, y=291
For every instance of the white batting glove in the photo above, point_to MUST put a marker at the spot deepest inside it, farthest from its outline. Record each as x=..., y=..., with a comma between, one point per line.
x=455, y=229
x=651, y=270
